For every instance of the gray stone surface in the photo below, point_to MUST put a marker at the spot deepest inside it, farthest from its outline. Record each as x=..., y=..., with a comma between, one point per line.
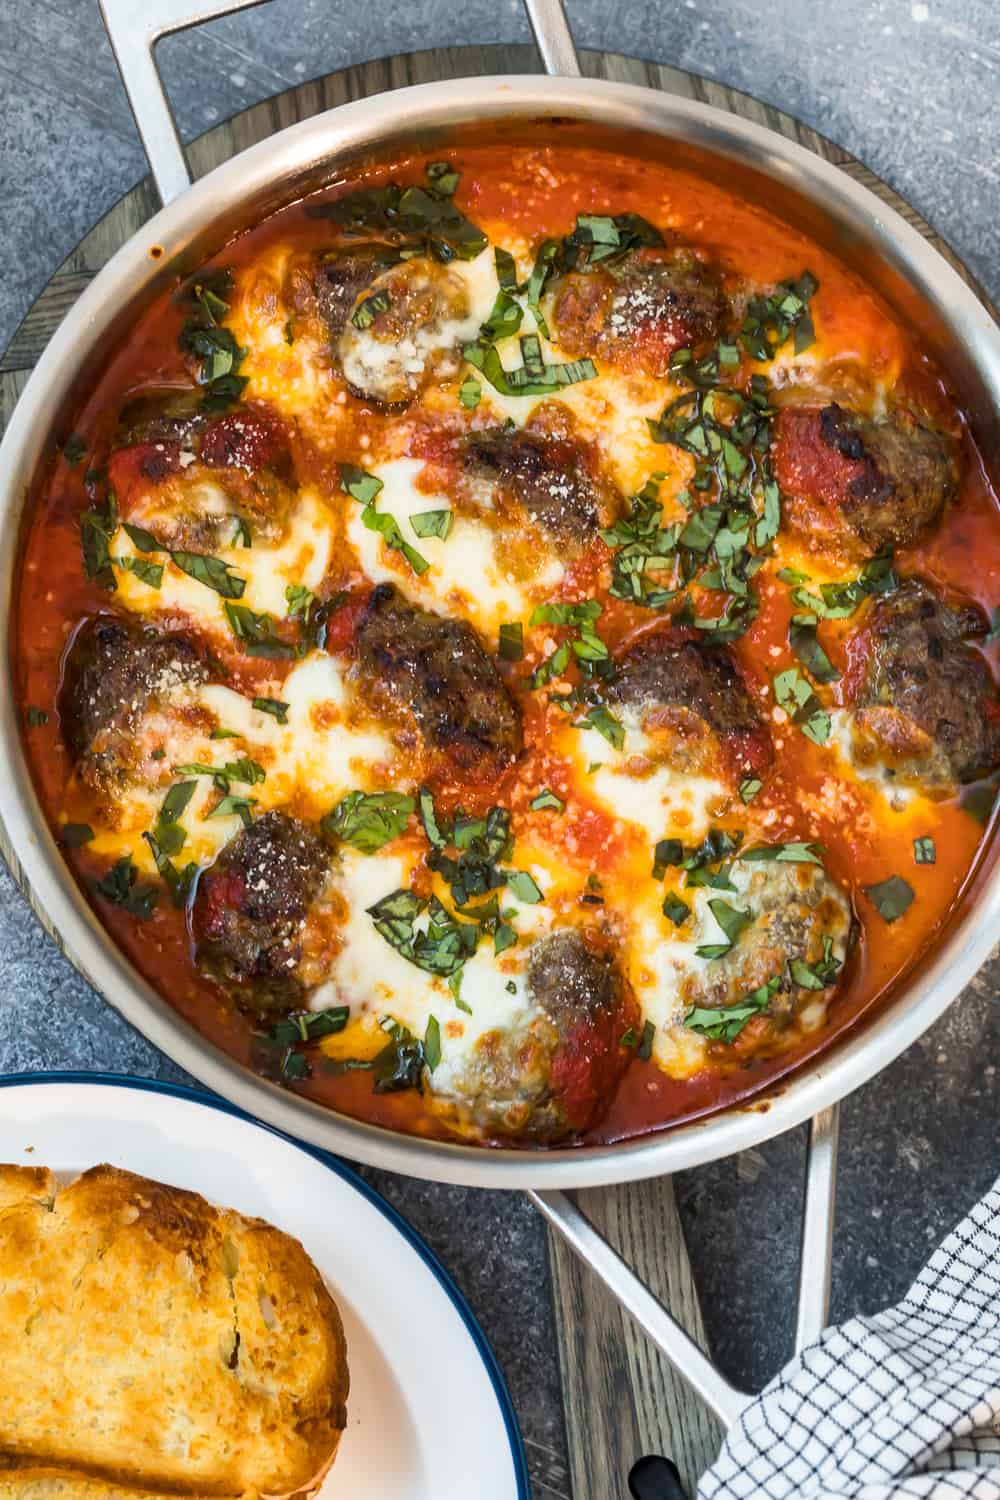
x=911, y=88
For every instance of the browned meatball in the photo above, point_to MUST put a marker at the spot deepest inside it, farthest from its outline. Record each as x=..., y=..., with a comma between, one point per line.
x=175, y=461
x=553, y=1073
x=393, y=325
x=252, y=906
x=636, y=312
x=340, y=276
x=927, y=706
x=697, y=691
x=115, y=673
x=547, y=476
x=435, y=670
x=799, y=915
x=858, y=484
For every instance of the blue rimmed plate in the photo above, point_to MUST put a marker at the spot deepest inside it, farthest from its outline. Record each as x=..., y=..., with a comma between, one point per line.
x=429, y=1417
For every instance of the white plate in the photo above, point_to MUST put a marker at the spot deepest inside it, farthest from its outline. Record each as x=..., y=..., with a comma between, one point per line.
x=429, y=1417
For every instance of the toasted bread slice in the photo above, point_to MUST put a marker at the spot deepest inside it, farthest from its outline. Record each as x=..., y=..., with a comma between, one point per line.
x=157, y=1342
x=62, y=1484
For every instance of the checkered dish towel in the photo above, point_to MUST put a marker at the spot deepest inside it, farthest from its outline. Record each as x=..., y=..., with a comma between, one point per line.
x=903, y=1404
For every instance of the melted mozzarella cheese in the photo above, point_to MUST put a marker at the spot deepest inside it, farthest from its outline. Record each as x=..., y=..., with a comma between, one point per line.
x=658, y=799
x=321, y=753
x=467, y=572
x=613, y=411
x=302, y=558
x=900, y=796
x=381, y=985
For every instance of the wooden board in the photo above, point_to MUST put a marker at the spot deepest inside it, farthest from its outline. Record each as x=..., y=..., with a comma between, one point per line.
x=621, y=1397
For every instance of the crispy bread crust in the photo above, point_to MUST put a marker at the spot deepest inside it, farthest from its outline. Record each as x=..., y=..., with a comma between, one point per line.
x=156, y=1342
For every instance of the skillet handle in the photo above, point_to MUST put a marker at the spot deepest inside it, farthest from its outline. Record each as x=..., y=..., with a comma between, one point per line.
x=134, y=28
x=553, y=37
x=661, y=1327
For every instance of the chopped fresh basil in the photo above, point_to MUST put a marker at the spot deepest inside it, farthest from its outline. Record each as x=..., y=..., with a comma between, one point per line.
x=441, y=948
x=628, y=1038
x=817, y=976
x=75, y=834
x=601, y=719
x=598, y=239
x=531, y=377
x=769, y=320
x=242, y=536
x=677, y=910
x=73, y=449
x=97, y=527
x=400, y=1065
x=794, y=694
x=645, y=1050
x=431, y=523
x=432, y=1043
x=142, y=539
x=455, y=985
x=725, y=1022
x=369, y=308
x=211, y=571
x=732, y=921
x=891, y=898
x=295, y=1067
x=428, y=818
x=178, y=882
x=924, y=850
x=289, y=333
x=310, y=1026
x=120, y=886
x=503, y=938
x=219, y=355
x=416, y=219
x=705, y=865
x=523, y=886
x=274, y=707
x=36, y=716
x=511, y=641
x=979, y=800
x=147, y=572
x=388, y=528
x=300, y=601
x=234, y=806
x=795, y=854
x=506, y=267
x=444, y=177
x=359, y=484
x=369, y=820
x=504, y=320
x=545, y=259
x=545, y=800
x=244, y=770
x=804, y=642
x=749, y=787
x=167, y=831
x=218, y=733
x=470, y=392
x=256, y=633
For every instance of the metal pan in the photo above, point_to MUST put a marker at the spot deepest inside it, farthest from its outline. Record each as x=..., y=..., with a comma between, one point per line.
x=196, y=220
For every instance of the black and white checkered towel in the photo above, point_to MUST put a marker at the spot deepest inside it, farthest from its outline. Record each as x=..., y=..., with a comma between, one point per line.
x=903, y=1404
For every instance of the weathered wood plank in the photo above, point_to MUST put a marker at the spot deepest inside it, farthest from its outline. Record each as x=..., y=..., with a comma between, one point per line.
x=622, y=1398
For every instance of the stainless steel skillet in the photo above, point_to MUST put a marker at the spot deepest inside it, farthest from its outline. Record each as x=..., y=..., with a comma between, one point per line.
x=803, y=189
